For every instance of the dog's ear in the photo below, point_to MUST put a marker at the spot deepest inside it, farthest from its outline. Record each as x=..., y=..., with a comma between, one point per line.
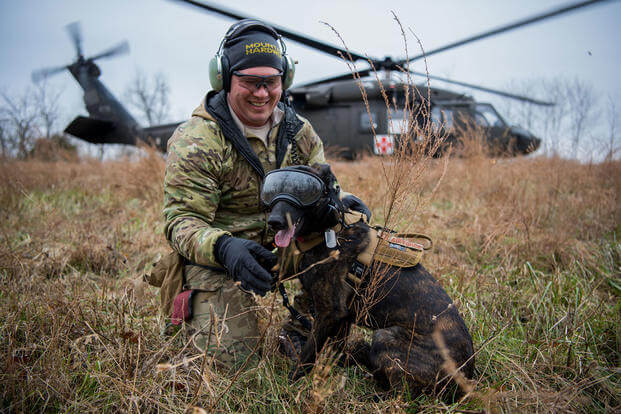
x=331, y=208
x=322, y=170
x=305, y=168
x=325, y=173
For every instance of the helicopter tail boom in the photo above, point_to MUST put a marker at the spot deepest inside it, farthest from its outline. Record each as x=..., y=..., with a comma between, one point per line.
x=97, y=131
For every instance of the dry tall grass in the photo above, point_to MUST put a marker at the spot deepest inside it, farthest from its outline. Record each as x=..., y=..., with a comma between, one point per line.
x=528, y=249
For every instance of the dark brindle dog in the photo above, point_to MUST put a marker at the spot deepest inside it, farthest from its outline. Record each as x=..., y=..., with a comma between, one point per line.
x=404, y=306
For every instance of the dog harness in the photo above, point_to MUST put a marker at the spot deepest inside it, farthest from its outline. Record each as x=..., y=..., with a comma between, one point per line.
x=384, y=246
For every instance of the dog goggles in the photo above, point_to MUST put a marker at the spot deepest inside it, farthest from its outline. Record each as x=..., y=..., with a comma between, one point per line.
x=302, y=188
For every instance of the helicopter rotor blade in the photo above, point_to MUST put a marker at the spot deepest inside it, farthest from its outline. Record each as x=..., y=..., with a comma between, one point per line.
x=367, y=72
x=389, y=64
x=517, y=24
x=484, y=89
x=41, y=74
x=284, y=32
x=120, y=49
x=345, y=76
x=75, y=32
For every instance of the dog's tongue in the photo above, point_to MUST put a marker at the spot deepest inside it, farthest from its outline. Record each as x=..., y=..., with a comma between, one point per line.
x=283, y=237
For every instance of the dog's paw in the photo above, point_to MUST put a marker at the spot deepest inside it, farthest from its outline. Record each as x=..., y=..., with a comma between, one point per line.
x=294, y=375
x=290, y=344
x=297, y=372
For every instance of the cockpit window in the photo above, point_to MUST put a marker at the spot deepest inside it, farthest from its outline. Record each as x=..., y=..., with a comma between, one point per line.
x=397, y=126
x=365, y=121
x=486, y=115
x=442, y=117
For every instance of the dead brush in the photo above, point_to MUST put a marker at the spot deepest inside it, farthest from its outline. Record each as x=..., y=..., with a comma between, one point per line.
x=528, y=247
x=323, y=384
x=472, y=141
x=141, y=179
x=79, y=193
x=418, y=142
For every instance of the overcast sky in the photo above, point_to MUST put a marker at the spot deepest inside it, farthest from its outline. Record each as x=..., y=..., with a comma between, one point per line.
x=178, y=40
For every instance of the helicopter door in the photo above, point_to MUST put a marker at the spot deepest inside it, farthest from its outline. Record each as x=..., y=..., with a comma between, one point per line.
x=383, y=144
x=334, y=125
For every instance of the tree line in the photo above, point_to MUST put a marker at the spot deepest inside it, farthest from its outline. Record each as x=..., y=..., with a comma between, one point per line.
x=582, y=124
x=36, y=112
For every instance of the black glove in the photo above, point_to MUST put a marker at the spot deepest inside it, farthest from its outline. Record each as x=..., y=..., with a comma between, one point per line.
x=351, y=202
x=246, y=261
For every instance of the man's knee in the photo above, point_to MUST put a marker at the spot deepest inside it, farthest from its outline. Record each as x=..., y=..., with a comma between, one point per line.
x=225, y=323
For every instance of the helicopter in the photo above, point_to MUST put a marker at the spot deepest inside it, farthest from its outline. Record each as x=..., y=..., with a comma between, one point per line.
x=354, y=128
x=109, y=122
x=334, y=105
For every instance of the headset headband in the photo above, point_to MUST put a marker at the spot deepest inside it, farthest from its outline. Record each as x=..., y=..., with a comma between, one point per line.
x=248, y=25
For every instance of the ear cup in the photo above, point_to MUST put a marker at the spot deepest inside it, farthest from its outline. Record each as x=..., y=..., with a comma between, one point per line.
x=288, y=71
x=328, y=216
x=219, y=77
x=215, y=73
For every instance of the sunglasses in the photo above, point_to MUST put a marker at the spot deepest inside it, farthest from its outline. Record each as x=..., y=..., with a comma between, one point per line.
x=255, y=82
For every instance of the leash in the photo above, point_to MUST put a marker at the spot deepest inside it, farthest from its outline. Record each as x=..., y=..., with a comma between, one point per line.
x=294, y=312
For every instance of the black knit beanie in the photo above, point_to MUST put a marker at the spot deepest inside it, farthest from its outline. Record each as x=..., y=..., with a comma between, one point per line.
x=251, y=49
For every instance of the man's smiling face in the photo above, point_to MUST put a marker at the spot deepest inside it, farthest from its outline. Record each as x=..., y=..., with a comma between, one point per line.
x=251, y=105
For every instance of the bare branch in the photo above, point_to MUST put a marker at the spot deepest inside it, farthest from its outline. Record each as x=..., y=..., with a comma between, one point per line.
x=150, y=96
x=581, y=100
x=19, y=117
x=46, y=101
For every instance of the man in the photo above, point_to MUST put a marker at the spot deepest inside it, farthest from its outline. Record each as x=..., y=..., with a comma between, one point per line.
x=215, y=166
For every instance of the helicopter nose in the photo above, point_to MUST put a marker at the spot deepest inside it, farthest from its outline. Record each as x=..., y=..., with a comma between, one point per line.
x=528, y=144
x=534, y=144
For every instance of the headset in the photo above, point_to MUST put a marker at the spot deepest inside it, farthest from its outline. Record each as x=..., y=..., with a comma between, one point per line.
x=219, y=66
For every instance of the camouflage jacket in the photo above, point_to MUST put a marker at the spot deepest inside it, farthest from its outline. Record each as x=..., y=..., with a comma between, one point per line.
x=210, y=189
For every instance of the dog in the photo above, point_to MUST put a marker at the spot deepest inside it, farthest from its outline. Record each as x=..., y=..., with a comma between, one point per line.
x=404, y=306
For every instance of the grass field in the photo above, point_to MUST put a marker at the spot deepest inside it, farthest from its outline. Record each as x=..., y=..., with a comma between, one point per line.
x=527, y=248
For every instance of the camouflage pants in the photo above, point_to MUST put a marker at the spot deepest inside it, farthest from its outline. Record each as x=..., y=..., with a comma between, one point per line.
x=224, y=318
